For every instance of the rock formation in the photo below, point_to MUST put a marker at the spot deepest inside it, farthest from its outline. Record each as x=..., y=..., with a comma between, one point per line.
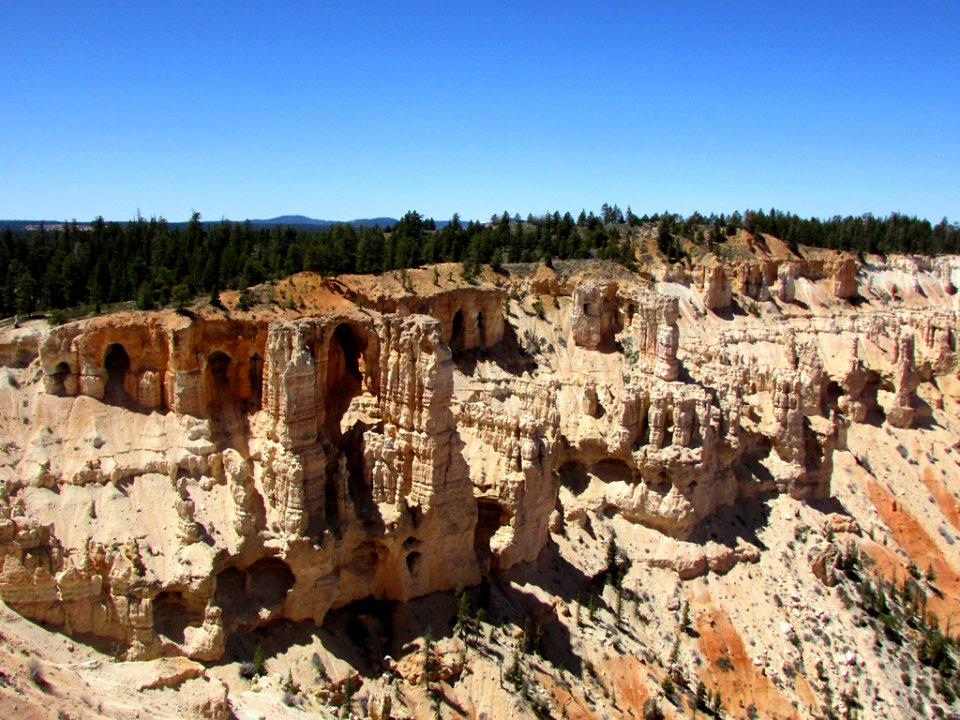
x=592, y=317
x=717, y=294
x=174, y=482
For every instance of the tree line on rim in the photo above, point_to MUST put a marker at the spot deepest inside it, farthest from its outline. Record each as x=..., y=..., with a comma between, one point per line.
x=154, y=263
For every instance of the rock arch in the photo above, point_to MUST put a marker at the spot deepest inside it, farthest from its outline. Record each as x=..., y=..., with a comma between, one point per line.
x=344, y=374
x=869, y=397
x=491, y=516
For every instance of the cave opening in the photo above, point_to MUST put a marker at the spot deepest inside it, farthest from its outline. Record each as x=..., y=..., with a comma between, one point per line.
x=696, y=437
x=643, y=434
x=117, y=364
x=255, y=375
x=752, y=467
x=413, y=562
x=610, y=470
x=573, y=476
x=59, y=376
x=36, y=558
x=831, y=398
x=344, y=377
x=481, y=330
x=331, y=504
x=231, y=586
x=366, y=559
x=368, y=625
x=457, y=341
x=361, y=494
x=223, y=404
x=269, y=580
x=243, y=594
x=667, y=427
x=490, y=517
x=173, y=614
x=218, y=364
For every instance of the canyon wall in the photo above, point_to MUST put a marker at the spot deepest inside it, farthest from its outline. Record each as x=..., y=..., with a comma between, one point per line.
x=175, y=479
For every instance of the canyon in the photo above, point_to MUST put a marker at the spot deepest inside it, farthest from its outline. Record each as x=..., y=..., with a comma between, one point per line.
x=317, y=474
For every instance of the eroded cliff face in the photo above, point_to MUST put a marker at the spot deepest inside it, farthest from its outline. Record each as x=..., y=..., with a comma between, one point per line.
x=170, y=480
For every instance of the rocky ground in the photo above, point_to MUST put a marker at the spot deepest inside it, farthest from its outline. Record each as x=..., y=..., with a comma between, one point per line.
x=736, y=479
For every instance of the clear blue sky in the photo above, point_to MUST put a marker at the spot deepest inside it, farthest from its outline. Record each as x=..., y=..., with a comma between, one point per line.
x=358, y=109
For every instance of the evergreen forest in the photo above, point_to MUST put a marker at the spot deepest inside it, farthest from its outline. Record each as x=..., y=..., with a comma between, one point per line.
x=153, y=262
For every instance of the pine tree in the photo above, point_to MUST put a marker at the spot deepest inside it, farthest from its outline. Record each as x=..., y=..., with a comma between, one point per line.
x=700, y=702
x=675, y=652
x=464, y=622
x=613, y=567
x=259, y=664
x=717, y=703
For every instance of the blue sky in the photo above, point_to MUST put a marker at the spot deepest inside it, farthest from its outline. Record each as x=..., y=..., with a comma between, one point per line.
x=358, y=109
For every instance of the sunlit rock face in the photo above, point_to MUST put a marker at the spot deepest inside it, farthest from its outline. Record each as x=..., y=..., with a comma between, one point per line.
x=185, y=477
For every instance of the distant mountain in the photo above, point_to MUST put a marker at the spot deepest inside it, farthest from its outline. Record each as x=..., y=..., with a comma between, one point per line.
x=292, y=220
x=303, y=220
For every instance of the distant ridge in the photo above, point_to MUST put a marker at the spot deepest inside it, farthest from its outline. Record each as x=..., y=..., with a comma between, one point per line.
x=298, y=221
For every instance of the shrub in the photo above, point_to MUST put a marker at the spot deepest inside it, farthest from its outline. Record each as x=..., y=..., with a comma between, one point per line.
x=514, y=675
x=724, y=663
x=144, y=299
x=290, y=685
x=57, y=317
x=246, y=300
x=181, y=295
